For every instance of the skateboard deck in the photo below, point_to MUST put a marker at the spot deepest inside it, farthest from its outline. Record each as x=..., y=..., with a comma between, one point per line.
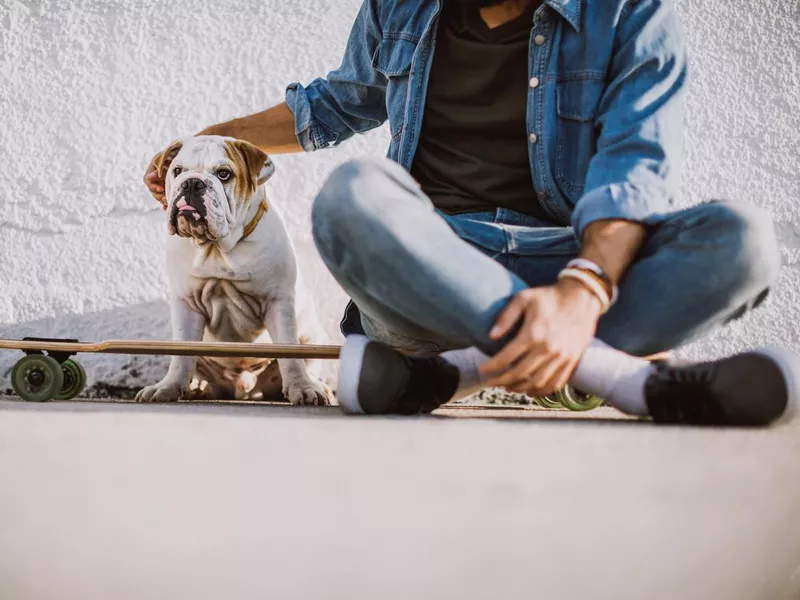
x=166, y=348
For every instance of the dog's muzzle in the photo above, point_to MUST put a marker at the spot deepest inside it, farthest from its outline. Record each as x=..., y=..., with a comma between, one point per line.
x=189, y=204
x=190, y=198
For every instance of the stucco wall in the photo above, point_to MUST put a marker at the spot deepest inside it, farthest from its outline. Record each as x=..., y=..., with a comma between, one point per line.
x=90, y=89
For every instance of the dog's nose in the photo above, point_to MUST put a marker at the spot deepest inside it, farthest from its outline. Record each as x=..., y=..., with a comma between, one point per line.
x=193, y=186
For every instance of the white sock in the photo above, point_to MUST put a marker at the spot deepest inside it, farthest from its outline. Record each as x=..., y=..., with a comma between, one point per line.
x=602, y=371
x=467, y=361
x=617, y=377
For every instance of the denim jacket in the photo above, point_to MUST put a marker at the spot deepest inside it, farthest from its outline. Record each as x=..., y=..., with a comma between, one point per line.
x=605, y=100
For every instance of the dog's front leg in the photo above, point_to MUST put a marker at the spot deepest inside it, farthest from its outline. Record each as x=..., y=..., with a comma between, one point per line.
x=298, y=386
x=187, y=326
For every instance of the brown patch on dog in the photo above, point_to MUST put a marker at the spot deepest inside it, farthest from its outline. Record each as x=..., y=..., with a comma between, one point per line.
x=248, y=161
x=164, y=159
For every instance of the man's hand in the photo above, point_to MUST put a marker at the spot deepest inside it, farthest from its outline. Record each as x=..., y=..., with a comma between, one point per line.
x=558, y=322
x=155, y=183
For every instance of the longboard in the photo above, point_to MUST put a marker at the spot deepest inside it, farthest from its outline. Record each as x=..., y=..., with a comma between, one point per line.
x=48, y=372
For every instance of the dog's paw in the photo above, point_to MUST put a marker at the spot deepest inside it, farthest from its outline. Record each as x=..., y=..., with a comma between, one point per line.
x=307, y=393
x=161, y=392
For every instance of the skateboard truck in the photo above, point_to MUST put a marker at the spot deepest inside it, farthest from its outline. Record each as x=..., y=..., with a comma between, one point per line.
x=46, y=374
x=59, y=355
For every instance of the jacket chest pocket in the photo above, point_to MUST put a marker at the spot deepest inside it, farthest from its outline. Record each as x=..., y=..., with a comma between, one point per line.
x=394, y=58
x=576, y=105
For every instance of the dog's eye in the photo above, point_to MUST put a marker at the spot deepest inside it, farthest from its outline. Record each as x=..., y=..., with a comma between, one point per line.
x=177, y=171
x=224, y=175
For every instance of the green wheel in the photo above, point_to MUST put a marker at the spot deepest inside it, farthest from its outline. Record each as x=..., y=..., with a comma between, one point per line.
x=577, y=401
x=74, y=380
x=37, y=378
x=547, y=402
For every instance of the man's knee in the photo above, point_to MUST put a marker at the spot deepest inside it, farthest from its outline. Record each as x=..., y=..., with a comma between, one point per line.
x=754, y=256
x=358, y=186
x=337, y=205
x=340, y=192
x=739, y=242
x=350, y=200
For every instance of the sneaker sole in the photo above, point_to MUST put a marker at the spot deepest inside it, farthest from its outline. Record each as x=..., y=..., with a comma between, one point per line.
x=351, y=360
x=789, y=364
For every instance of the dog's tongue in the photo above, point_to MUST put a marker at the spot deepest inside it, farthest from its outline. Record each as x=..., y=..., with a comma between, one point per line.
x=183, y=205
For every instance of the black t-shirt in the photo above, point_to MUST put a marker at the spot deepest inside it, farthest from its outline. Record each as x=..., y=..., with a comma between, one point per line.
x=473, y=149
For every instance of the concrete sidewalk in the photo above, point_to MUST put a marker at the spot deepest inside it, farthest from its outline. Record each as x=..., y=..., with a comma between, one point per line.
x=120, y=501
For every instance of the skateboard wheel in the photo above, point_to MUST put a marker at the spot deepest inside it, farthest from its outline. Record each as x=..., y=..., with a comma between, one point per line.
x=74, y=380
x=547, y=402
x=37, y=378
x=577, y=401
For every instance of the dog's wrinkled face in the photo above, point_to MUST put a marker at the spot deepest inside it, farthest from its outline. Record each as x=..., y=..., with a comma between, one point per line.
x=210, y=184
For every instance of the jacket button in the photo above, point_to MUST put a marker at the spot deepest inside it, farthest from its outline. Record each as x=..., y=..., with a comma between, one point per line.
x=538, y=40
x=533, y=138
x=534, y=82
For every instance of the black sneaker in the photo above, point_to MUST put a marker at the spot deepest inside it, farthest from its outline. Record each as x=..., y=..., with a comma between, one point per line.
x=375, y=379
x=753, y=389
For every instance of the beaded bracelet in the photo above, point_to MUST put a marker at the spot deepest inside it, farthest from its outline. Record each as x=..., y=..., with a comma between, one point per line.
x=584, y=264
x=591, y=283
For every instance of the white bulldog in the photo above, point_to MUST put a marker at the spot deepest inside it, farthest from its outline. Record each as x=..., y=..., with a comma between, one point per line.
x=232, y=272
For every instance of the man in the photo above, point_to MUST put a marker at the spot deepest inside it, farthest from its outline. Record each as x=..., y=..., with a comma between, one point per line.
x=523, y=223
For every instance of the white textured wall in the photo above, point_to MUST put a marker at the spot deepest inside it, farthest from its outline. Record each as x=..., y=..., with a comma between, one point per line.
x=90, y=89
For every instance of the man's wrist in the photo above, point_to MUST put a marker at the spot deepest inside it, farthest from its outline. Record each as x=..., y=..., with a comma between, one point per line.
x=612, y=245
x=577, y=294
x=596, y=275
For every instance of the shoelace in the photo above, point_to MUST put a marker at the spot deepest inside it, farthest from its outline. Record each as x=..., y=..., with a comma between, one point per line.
x=696, y=375
x=684, y=395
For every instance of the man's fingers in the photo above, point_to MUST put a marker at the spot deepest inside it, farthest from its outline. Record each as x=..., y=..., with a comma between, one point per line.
x=521, y=372
x=154, y=183
x=546, y=379
x=503, y=360
x=508, y=318
x=566, y=374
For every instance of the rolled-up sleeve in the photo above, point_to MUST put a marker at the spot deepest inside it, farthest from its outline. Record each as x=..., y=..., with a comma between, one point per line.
x=351, y=99
x=635, y=174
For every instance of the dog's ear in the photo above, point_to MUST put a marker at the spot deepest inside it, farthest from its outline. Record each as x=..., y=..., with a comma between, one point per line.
x=164, y=159
x=251, y=162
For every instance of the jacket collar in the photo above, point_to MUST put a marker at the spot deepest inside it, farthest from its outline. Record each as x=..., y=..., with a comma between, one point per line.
x=569, y=9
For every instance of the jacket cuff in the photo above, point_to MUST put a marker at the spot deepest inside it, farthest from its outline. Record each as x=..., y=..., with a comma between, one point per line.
x=310, y=135
x=621, y=202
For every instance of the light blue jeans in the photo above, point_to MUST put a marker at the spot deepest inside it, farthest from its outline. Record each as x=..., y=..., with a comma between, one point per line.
x=422, y=280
